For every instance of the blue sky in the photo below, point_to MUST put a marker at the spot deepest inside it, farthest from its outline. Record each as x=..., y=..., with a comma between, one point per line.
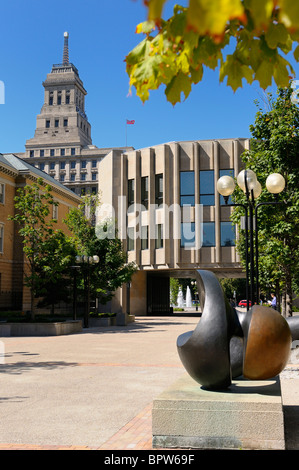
x=101, y=33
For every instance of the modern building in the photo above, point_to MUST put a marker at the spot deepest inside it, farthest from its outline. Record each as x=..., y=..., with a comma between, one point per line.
x=16, y=173
x=169, y=216
x=62, y=145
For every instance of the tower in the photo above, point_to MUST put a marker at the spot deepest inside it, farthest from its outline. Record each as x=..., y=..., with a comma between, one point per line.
x=62, y=145
x=62, y=121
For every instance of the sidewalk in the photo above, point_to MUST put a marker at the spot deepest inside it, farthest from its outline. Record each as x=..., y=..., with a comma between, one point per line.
x=94, y=390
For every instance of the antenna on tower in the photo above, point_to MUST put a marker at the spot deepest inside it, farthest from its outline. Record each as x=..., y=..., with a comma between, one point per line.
x=65, y=58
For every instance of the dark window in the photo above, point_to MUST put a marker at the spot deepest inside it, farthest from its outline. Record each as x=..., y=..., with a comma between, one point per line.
x=62, y=152
x=47, y=123
x=56, y=122
x=187, y=234
x=59, y=98
x=65, y=122
x=52, y=166
x=62, y=165
x=73, y=176
x=94, y=164
x=187, y=188
x=159, y=190
x=73, y=151
x=228, y=234
x=144, y=192
x=144, y=237
x=159, y=236
x=62, y=177
x=94, y=176
x=41, y=153
x=83, y=176
x=131, y=195
x=83, y=164
x=42, y=166
x=73, y=165
x=31, y=153
x=131, y=233
x=67, y=98
x=51, y=98
x=208, y=234
x=206, y=188
x=52, y=152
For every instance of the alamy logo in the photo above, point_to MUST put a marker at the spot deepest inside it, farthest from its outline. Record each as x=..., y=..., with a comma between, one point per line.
x=2, y=92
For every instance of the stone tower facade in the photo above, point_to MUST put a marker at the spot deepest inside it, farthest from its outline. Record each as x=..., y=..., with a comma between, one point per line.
x=62, y=145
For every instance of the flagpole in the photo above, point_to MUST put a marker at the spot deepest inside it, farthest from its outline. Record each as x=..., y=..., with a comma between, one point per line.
x=126, y=131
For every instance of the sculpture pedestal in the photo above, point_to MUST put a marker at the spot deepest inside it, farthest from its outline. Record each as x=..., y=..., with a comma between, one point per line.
x=248, y=415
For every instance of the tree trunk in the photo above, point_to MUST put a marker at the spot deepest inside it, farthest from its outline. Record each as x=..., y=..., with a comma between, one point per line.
x=283, y=304
x=289, y=296
x=32, y=305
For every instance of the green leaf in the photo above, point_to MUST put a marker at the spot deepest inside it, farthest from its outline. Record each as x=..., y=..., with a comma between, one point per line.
x=264, y=74
x=276, y=34
x=296, y=54
x=235, y=72
x=281, y=73
x=178, y=85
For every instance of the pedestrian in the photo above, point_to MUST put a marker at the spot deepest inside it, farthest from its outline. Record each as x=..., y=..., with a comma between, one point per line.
x=273, y=301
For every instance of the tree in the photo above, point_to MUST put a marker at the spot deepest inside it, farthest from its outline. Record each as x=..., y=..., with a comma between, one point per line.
x=175, y=52
x=274, y=149
x=47, y=250
x=112, y=271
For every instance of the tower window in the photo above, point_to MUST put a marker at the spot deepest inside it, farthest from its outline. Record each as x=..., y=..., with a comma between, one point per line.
x=47, y=123
x=65, y=122
x=67, y=98
x=41, y=153
x=51, y=98
x=52, y=152
x=52, y=166
x=56, y=122
x=62, y=152
x=73, y=165
x=31, y=153
x=83, y=164
x=73, y=151
x=59, y=98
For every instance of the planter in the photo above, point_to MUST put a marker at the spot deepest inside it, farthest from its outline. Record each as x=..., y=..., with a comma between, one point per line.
x=105, y=321
x=41, y=329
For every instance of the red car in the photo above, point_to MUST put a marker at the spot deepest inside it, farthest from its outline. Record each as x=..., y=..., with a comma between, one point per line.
x=243, y=303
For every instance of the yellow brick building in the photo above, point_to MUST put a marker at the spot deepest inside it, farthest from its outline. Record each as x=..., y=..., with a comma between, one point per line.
x=16, y=173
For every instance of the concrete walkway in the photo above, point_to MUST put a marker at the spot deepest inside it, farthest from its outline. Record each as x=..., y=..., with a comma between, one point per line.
x=94, y=390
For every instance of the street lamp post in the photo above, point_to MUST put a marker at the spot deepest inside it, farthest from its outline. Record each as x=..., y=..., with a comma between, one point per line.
x=249, y=184
x=86, y=262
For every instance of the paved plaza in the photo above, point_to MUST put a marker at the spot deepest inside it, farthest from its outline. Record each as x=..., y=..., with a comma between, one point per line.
x=94, y=390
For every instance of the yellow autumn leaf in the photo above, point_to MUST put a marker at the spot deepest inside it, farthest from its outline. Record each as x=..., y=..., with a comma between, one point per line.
x=211, y=17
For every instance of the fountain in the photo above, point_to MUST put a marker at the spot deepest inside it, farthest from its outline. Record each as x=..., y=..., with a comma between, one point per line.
x=188, y=297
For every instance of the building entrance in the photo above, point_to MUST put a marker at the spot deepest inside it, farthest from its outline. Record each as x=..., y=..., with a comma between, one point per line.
x=158, y=301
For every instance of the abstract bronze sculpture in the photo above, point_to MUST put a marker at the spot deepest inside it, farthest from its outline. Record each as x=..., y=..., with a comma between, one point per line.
x=226, y=344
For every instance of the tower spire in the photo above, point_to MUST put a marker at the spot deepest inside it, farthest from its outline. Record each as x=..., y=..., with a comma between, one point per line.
x=65, y=58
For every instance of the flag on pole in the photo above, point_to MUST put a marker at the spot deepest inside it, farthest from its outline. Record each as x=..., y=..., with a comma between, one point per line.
x=130, y=122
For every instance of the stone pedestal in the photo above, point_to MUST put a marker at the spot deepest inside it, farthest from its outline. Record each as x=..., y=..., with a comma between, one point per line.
x=248, y=415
